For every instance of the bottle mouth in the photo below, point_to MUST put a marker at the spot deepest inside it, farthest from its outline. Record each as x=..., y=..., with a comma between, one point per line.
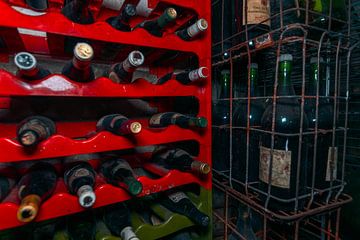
x=203, y=72
x=83, y=52
x=130, y=10
x=205, y=168
x=171, y=12
x=205, y=221
x=136, y=58
x=29, y=208
x=28, y=138
x=202, y=122
x=202, y=24
x=135, y=127
x=25, y=61
x=135, y=187
x=87, y=198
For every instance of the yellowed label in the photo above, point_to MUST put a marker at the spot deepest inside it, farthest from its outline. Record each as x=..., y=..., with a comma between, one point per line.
x=281, y=167
x=257, y=12
x=331, y=164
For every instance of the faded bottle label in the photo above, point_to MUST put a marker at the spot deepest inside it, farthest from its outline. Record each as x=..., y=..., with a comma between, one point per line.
x=257, y=11
x=281, y=167
x=331, y=168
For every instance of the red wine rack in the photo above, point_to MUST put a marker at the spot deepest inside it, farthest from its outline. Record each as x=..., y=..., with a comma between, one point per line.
x=43, y=35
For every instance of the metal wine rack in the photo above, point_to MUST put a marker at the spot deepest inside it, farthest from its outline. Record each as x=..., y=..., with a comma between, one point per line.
x=312, y=209
x=46, y=35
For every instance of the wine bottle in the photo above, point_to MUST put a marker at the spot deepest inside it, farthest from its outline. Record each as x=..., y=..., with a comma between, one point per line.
x=82, y=226
x=78, y=11
x=118, y=125
x=243, y=225
x=241, y=118
x=180, y=160
x=38, y=5
x=194, y=30
x=35, y=187
x=179, y=203
x=117, y=219
x=324, y=122
x=79, y=69
x=156, y=27
x=33, y=130
x=119, y=173
x=123, y=72
x=286, y=148
x=171, y=118
x=121, y=22
x=187, y=77
x=7, y=180
x=27, y=67
x=79, y=177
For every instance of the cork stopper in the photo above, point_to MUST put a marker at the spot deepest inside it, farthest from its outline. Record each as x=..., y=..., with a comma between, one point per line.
x=171, y=13
x=28, y=138
x=83, y=52
x=29, y=208
x=135, y=127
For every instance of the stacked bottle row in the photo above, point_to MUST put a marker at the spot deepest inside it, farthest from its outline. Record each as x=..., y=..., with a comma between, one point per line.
x=126, y=220
x=262, y=138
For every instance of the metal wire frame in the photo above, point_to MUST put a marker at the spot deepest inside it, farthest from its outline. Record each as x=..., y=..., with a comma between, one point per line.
x=342, y=45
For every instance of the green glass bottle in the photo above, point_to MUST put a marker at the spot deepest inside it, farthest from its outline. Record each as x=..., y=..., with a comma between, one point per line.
x=286, y=147
x=324, y=122
x=221, y=117
x=82, y=226
x=241, y=118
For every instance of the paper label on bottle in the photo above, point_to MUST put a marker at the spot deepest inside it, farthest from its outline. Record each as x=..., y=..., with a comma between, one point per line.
x=281, y=167
x=257, y=12
x=177, y=197
x=331, y=168
x=143, y=9
x=113, y=4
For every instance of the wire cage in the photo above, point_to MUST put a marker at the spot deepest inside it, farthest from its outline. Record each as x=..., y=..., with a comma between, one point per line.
x=282, y=73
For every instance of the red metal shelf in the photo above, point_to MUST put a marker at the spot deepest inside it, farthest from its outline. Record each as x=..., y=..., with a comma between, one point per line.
x=63, y=203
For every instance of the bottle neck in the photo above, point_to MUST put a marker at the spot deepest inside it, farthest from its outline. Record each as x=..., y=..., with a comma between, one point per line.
x=316, y=77
x=254, y=91
x=285, y=87
x=225, y=86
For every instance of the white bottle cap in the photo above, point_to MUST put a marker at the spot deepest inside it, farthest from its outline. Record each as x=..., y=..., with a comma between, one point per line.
x=25, y=61
x=86, y=195
x=136, y=58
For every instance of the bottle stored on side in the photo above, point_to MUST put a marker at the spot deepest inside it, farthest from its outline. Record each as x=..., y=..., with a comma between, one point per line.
x=171, y=118
x=178, y=202
x=121, y=22
x=156, y=27
x=33, y=130
x=82, y=226
x=35, y=186
x=194, y=30
x=123, y=72
x=187, y=77
x=119, y=173
x=118, y=125
x=38, y=5
x=7, y=180
x=79, y=177
x=180, y=160
x=79, y=69
x=78, y=11
x=28, y=68
x=117, y=219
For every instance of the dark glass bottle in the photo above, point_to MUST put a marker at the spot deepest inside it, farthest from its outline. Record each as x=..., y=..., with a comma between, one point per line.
x=221, y=118
x=324, y=122
x=121, y=22
x=123, y=72
x=286, y=148
x=7, y=180
x=161, y=120
x=81, y=226
x=117, y=219
x=79, y=178
x=180, y=160
x=179, y=203
x=119, y=173
x=79, y=69
x=194, y=30
x=38, y=5
x=28, y=68
x=35, y=186
x=118, y=125
x=33, y=130
x=156, y=27
x=241, y=119
x=187, y=77
x=78, y=11
x=243, y=225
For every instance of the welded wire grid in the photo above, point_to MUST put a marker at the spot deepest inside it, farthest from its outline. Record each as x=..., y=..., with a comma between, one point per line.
x=234, y=50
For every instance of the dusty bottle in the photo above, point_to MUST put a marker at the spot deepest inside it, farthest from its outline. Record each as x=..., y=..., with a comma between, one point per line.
x=171, y=118
x=119, y=173
x=78, y=11
x=121, y=22
x=123, y=72
x=33, y=130
x=79, y=69
x=178, y=202
x=28, y=68
x=194, y=30
x=118, y=125
x=35, y=187
x=79, y=177
x=156, y=27
x=187, y=77
x=181, y=160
